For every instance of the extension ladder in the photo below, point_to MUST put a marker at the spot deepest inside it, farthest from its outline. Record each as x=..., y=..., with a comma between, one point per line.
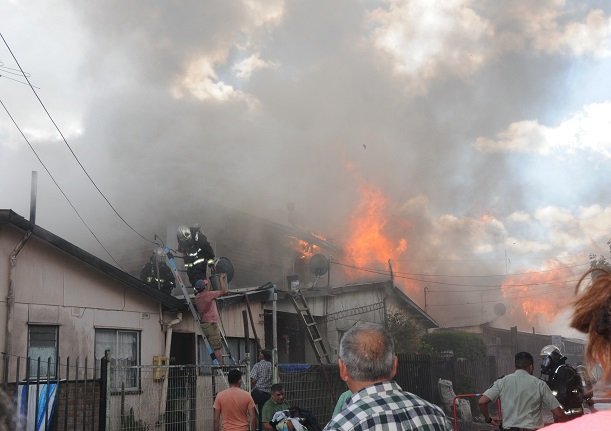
x=196, y=317
x=303, y=310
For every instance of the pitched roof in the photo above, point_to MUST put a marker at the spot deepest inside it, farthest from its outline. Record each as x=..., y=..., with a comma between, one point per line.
x=422, y=316
x=9, y=217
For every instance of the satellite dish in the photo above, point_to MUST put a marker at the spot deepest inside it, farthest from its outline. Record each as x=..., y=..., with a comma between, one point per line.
x=500, y=309
x=319, y=265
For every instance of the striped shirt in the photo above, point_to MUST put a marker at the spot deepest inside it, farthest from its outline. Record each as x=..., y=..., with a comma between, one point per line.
x=385, y=406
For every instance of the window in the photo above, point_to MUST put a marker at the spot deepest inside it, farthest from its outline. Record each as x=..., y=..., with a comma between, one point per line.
x=42, y=343
x=124, y=347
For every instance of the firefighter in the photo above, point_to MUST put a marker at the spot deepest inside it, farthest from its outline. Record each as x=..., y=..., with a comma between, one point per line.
x=564, y=380
x=157, y=274
x=197, y=252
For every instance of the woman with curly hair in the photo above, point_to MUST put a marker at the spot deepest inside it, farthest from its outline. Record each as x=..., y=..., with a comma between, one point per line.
x=592, y=316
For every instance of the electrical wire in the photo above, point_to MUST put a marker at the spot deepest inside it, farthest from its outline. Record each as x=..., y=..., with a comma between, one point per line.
x=445, y=283
x=70, y=148
x=13, y=79
x=489, y=301
x=497, y=288
x=60, y=189
x=491, y=275
x=12, y=70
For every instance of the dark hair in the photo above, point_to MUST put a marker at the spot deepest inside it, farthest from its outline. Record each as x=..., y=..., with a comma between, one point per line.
x=523, y=360
x=267, y=355
x=276, y=387
x=234, y=376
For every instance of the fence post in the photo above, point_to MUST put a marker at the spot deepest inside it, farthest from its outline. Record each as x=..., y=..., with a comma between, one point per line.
x=492, y=369
x=4, y=371
x=104, y=415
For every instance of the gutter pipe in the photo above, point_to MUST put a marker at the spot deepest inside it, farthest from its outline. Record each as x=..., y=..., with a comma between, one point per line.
x=10, y=297
x=168, y=344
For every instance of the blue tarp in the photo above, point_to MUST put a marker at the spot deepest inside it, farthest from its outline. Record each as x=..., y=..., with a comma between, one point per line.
x=294, y=368
x=27, y=405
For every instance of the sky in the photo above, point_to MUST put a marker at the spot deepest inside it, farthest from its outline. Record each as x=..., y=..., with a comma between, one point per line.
x=477, y=134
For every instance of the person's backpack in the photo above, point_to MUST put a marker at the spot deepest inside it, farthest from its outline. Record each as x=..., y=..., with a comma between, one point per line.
x=307, y=418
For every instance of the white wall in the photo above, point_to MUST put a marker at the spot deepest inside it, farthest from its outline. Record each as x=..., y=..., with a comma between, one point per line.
x=52, y=287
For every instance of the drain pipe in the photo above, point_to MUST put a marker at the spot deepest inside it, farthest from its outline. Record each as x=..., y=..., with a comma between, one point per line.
x=12, y=262
x=168, y=344
x=10, y=297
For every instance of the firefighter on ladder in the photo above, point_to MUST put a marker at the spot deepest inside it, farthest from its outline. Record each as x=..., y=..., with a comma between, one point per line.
x=197, y=252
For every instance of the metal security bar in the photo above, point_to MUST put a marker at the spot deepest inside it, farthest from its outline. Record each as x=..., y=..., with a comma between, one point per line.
x=52, y=393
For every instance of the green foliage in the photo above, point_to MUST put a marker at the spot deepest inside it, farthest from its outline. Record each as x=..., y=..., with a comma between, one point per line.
x=405, y=333
x=130, y=423
x=462, y=344
x=600, y=261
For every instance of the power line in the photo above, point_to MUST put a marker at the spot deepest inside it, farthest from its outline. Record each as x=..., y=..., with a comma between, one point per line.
x=513, y=285
x=489, y=301
x=70, y=148
x=60, y=189
x=13, y=79
x=445, y=283
x=491, y=275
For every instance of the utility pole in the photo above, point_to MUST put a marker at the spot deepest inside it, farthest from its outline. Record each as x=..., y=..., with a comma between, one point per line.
x=426, y=289
x=392, y=286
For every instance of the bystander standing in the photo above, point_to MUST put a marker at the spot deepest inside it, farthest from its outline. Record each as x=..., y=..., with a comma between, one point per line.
x=234, y=407
x=367, y=363
x=523, y=396
x=261, y=381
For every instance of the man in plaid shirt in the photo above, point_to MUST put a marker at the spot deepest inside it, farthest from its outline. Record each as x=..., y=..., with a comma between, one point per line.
x=261, y=381
x=367, y=364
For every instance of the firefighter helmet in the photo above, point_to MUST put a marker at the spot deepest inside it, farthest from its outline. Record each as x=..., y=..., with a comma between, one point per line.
x=551, y=358
x=183, y=233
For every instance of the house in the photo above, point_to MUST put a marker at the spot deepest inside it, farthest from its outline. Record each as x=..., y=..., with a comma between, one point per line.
x=66, y=305
x=336, y=309
x=505, y=343
x=63, y=302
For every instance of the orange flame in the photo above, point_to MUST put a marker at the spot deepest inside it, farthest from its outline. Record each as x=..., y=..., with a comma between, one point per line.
x=369, y=242
x=305, y=249
x=539, y=294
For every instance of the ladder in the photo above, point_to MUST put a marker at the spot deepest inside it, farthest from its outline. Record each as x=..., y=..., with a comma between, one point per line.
x=172, y=264
x=303, y=310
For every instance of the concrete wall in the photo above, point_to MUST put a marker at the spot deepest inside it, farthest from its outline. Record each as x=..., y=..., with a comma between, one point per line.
x=52, y=287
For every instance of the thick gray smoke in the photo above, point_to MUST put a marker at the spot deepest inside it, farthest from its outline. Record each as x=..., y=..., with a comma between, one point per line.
x=183, y=113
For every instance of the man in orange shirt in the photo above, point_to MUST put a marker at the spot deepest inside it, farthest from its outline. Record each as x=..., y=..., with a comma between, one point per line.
x=208, y=313
x=234, y=406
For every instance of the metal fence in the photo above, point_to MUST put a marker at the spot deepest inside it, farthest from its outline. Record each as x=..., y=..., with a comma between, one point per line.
x=71, y=395
x=317, y=387
x=165, y=397
x=59, y=394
